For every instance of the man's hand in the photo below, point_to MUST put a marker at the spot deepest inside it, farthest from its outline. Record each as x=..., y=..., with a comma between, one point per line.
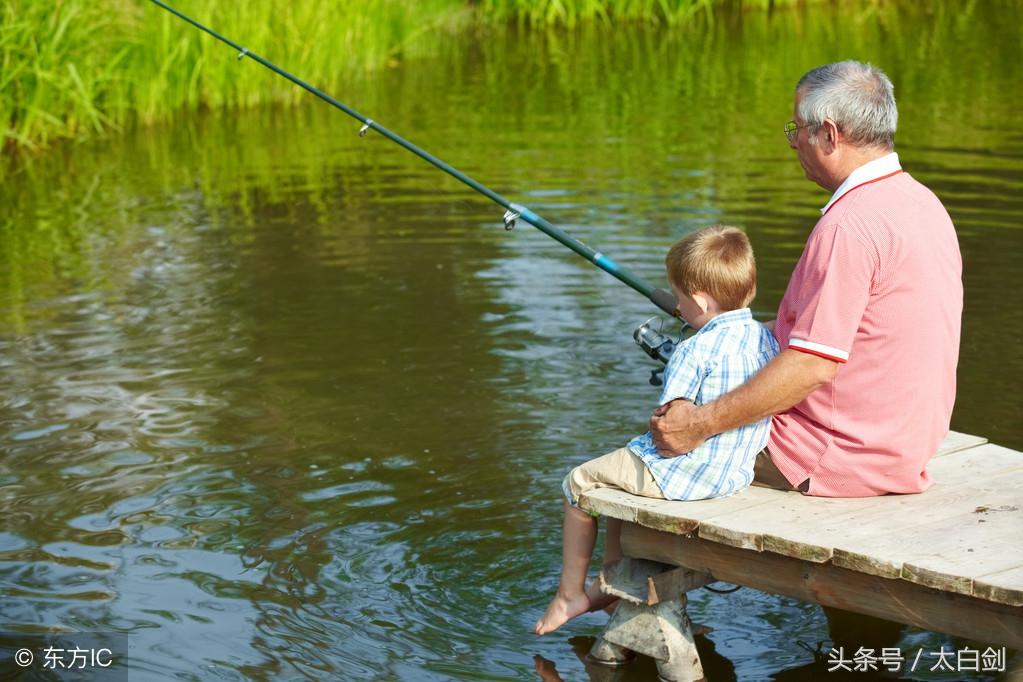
x=677, y=428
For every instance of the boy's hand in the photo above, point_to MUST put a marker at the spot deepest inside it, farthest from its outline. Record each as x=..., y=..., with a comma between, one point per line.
x=676, y=428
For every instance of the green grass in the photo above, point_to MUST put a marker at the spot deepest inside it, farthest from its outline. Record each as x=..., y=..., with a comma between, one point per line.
x=72, y=68
x=571, y=12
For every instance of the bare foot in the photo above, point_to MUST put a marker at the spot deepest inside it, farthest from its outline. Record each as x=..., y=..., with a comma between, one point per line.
x=560, y=611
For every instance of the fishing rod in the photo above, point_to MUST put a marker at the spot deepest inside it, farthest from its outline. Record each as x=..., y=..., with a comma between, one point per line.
x=659, y=297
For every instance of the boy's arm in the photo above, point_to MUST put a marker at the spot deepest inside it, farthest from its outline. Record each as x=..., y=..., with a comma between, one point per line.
x=786, y=380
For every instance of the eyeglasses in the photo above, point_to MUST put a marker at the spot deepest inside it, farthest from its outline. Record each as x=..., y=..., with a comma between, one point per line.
x=792, y=129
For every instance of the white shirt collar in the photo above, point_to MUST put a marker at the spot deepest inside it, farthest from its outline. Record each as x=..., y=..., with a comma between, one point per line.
x=872, y=170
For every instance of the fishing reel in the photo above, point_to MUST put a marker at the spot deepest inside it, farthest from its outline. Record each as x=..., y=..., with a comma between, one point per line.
x=656, y=343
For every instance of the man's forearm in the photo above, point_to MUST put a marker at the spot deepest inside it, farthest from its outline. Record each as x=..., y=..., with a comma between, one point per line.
x=782, y=383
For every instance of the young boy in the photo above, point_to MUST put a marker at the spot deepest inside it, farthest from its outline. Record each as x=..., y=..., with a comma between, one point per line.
x=713, y=275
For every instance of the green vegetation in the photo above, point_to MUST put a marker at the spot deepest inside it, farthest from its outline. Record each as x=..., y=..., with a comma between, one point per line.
x=72, y=67
x=571, y=12
x=69, y=68
x=664, y=116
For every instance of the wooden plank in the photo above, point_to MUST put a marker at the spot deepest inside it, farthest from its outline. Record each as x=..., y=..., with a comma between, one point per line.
x=682, y=514
x=685, y=517
x=1004, y=586
x=924, y=527
x=810, y=527
x=674, y=517
x=617, y=504
x=862, y=532
x=955, y=441
x=947, y=554
x=796, y=524
x=973, y=464
x=898, y=600
x=868, y=534
x=980, y=546
x=949, y=545
x=960, y=487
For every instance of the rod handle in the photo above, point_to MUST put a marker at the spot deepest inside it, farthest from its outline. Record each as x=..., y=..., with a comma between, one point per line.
x=664, y=300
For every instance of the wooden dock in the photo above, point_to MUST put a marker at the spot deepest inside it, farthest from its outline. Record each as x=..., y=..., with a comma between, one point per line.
x=948, y=560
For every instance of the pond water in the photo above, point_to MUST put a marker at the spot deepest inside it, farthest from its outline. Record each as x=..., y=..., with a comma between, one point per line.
x=284, y=402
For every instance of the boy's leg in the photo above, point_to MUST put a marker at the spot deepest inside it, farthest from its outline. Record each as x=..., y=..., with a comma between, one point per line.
x=612, y=541
x=612, y=553
x=579, y=533
x=619, y=469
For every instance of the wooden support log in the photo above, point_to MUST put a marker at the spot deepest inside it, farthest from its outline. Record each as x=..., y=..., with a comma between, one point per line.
x=824, y=583
x=651, y=617
x=672, y=584
x=663, y=632
x=605, y=653
x=683, y=662
x=649, y=582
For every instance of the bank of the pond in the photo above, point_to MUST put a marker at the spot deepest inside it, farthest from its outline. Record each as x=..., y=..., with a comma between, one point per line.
x=73, y=68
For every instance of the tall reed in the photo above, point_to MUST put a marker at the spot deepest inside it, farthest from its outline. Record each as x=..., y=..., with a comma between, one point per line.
x=56, y=61
x=71, y=67
x=572, y=12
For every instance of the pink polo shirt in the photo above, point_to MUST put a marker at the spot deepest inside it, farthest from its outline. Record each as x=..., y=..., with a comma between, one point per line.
x=878, y=289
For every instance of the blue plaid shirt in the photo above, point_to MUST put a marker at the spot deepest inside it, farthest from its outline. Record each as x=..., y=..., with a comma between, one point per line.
x=725, y=353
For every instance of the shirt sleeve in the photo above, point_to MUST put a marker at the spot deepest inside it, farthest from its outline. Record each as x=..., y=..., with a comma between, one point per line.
x=683, y=375
x=838, y=269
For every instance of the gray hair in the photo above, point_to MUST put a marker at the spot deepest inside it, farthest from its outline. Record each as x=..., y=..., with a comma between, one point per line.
x=858, y=97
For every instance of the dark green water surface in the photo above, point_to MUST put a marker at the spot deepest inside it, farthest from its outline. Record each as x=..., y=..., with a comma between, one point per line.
x=280, y=402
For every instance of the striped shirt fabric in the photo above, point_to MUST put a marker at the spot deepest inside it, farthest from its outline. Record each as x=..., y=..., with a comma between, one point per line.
x=725, y=353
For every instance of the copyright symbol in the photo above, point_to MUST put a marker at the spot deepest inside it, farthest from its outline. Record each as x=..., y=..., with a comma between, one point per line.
x=23, y=657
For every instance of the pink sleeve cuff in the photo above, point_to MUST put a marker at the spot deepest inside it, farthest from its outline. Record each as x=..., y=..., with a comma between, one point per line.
x=819, y=349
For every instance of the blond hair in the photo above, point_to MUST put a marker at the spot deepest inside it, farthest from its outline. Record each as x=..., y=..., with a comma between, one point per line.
x=718, y=261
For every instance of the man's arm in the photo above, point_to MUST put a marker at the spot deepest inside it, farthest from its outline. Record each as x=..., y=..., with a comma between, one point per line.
x=680, y=426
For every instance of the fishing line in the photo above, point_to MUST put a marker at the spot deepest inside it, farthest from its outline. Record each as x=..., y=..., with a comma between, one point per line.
x=513, y=212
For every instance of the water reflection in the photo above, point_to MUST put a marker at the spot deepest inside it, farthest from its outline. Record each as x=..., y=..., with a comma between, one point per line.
x=282, y=401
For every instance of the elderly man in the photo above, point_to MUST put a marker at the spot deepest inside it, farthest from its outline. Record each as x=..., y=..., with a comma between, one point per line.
x=862, y=393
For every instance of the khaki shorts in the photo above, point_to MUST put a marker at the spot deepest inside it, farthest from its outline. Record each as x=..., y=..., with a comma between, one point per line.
x=767, y=475
x=624, y=470
x=619, y=469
